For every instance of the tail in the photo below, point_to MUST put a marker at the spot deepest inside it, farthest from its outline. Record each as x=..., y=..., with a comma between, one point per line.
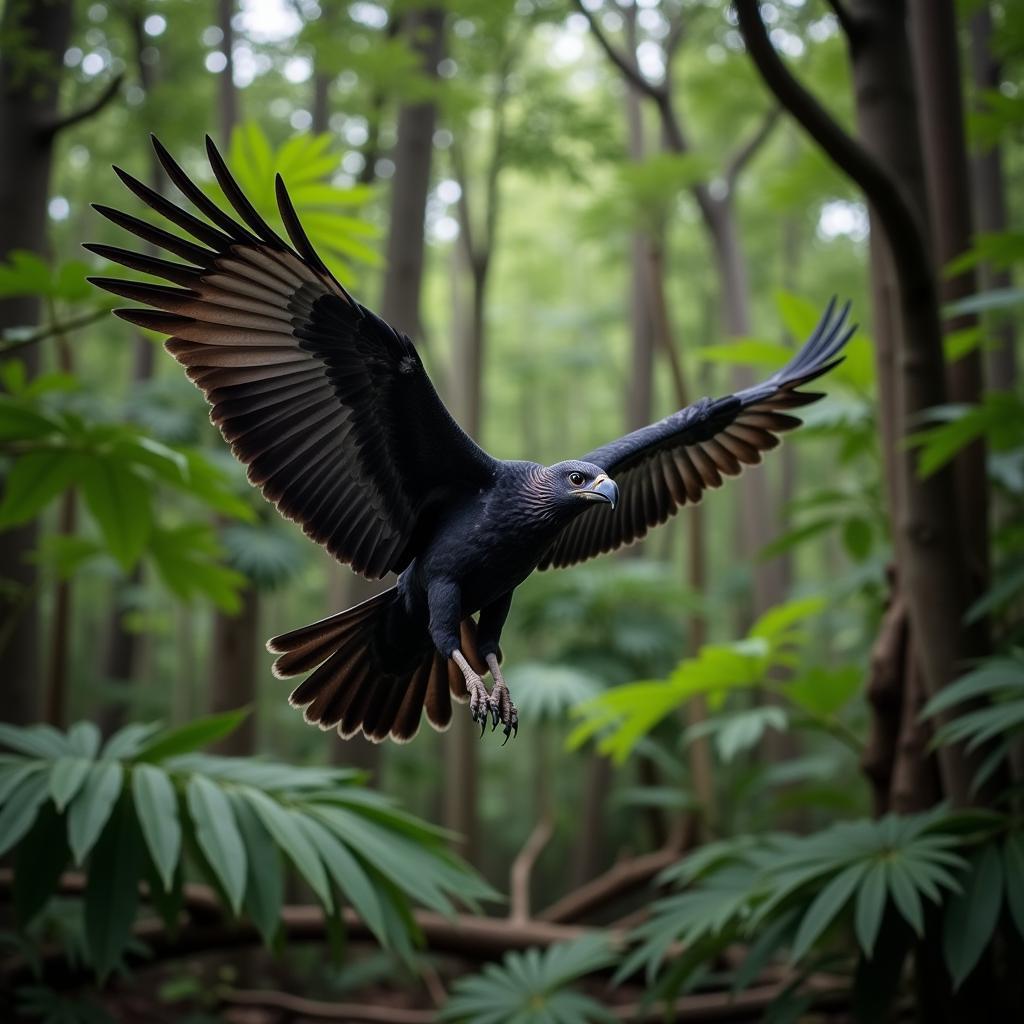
x=376, y=670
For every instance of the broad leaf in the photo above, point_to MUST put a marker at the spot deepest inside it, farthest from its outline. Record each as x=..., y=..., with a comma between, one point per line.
x=218, y=836
x=92, y=806
x=156, y=805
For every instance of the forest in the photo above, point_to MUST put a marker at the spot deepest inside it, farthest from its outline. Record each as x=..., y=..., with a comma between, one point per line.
x=769, y=759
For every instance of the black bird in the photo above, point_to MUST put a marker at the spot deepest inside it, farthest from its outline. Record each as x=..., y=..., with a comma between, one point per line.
x=331, y=410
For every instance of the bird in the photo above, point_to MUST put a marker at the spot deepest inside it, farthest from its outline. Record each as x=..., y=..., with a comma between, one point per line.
x=333, y=413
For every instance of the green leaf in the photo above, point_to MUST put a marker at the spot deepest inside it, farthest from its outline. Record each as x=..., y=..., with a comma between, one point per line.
x=870, y=906
x=904, y=893
x=186, y=738
x=92, y=807
x=971, y=915
x=348, y=876
x=800, y=315
x=826, y=905
x=119, y=500
x=19, y=812
x=84, y=738
x=38, y=864
x=283, y=825
x=264, y=885
x=1013, y=861
x=36, y=479
x=127, y=742
x=22, y=423
x=218, y=836
x=13, y=775
x=156, y=805
x=34, y=740
x=112, y=892
x=857, y=537
x=66, y=778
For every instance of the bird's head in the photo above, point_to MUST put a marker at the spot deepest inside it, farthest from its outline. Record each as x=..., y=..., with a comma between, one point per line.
x=576, y=485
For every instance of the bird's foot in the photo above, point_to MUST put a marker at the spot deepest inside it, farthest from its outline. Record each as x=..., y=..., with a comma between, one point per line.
x=479, y=702
x=500, y=702
x=503, y=710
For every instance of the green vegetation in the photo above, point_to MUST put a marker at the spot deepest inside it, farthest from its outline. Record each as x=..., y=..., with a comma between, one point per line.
x=770, y=760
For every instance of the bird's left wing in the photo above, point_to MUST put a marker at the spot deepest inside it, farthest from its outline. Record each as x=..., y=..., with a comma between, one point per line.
x=661, y=467
x=328, y=406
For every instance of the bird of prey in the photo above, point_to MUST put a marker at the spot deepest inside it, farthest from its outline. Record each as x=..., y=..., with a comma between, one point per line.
x=340, y=427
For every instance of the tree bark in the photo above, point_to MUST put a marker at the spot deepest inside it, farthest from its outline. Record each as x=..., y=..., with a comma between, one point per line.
x=28, y=102
x=227, y=96
x=122, y=650
x=234, y=664
x=989, y=187
x=937, y=70
x=412, y=154
x=887, y=163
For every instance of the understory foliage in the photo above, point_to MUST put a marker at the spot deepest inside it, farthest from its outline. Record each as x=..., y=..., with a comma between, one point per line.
x=145, y=806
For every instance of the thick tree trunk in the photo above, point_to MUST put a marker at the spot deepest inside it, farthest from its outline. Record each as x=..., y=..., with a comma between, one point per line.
x=937, y=68
x=412, y=154
x=989, y=188
x=28, y=102
x=932, y=558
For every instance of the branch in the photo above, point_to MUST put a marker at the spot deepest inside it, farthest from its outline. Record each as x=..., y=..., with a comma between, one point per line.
x=206, y=929
x=632, y=74
x=52, y=330
x=522, y=869
x=902, y=229
x=851, y=26
x=747, y=150
x=83, y=113
x=617, y=881
x=750, y=1004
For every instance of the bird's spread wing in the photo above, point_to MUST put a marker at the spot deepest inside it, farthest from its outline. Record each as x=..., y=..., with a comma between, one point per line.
x=669, y=464
x=329, y=407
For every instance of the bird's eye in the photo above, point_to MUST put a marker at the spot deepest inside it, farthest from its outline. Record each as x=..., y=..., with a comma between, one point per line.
x=576, y=479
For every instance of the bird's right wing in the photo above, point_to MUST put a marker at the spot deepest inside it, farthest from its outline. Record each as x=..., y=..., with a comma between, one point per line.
x=328, y=406
x=668, y=464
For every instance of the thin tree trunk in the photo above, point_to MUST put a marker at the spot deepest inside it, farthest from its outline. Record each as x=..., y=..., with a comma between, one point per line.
x=989, y=188
x=28, y=101
x=321, y=103
x=122, y=650
x=234, y=664
x=412, y=154
x=227, y=96
x=236, y=641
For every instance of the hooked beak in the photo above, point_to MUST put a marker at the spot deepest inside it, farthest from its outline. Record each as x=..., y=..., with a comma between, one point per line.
x=602, y=489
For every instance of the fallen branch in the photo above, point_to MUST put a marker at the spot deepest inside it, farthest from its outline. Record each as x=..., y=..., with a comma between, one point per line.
x=522, y=870
x=706, y=1006
x=617, y=881
x=207, y=930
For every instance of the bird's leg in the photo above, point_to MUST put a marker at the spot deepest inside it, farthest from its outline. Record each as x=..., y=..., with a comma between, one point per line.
x=478, y=699
x=500, y=701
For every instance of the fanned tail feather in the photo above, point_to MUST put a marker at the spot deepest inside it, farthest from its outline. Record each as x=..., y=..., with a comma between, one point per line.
x=353, y=687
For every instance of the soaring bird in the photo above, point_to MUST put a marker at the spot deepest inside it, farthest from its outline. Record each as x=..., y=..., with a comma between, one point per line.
x=331, y=410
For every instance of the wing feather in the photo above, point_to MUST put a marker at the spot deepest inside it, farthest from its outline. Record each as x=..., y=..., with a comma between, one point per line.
x=329, y=407
x=662, y=467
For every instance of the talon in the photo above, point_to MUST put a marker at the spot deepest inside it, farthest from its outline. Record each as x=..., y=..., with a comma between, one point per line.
x=495, y=716
x=508, y=732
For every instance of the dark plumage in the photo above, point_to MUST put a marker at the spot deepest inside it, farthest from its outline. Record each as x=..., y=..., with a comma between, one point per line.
x=331, y=410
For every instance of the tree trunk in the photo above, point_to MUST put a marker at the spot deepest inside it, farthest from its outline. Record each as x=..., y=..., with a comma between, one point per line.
x=236, y=638
x=989, y=187
x=937, y=68
x=932, y=562
x=227, y=96
x=235, y=651
x=412, y=154
x=123, y=644
x=28, y=101
x=321, y=103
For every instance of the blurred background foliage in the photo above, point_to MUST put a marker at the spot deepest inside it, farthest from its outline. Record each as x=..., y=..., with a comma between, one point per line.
x=721, y=781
